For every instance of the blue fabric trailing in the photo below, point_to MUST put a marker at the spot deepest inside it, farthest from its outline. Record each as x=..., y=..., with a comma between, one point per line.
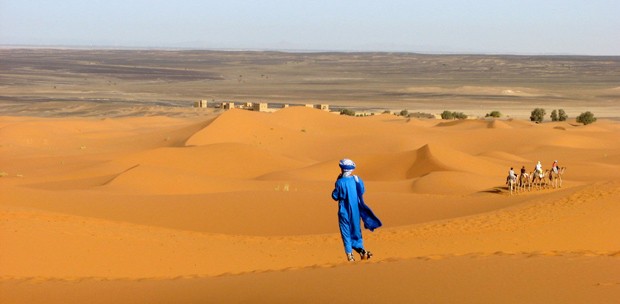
x=371, y=221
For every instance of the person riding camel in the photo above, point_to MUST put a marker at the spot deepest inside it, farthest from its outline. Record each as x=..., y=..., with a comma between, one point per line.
x=554, y=167
x=523, y=175
x=511, y=176
x=538, y=169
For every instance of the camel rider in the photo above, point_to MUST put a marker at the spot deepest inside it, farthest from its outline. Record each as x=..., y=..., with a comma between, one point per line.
x=523, y=175
x=539, y=168
x=554, y=167
x=511, y=175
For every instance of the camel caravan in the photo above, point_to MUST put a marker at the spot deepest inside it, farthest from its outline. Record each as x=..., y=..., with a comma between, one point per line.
x=537, y=179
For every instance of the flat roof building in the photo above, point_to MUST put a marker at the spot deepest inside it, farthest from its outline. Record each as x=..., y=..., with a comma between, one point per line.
x=228, y=105
x=260, y=106
x=324, y=107
x=200, y=104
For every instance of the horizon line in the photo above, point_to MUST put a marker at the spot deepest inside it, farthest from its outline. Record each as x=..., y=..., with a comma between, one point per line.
x=283, y=50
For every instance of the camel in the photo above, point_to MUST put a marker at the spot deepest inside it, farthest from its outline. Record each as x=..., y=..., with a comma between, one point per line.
x=555, y=177
x=538, y=179
x=512, y=183
x=524, y=182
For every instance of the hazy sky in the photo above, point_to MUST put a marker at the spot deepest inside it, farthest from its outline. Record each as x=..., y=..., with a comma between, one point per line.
x=589, y=27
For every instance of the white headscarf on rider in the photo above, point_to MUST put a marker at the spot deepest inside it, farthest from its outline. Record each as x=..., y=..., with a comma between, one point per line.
x=346, y=166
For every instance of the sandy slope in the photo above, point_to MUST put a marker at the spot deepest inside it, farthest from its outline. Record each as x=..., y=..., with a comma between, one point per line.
x=236, y=208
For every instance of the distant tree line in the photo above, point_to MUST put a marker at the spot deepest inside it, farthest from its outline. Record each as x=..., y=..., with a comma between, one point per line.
x=538, y=115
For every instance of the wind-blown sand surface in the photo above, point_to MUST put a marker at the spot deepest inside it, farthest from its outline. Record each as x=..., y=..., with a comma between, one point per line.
x=236, y=208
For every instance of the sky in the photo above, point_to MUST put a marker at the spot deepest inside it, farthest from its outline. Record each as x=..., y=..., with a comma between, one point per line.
x=573, y=27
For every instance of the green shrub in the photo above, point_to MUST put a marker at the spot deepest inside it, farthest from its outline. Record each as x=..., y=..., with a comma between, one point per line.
x=558, y=115
x=404, y=113
x=554, y=115
x=562, y=115
x=348, y=112
x=447, y=115
x=538, y=115
x=586, y=118
x=421, y=115
x=495, y=114
x=453, y=115
x=459, y=115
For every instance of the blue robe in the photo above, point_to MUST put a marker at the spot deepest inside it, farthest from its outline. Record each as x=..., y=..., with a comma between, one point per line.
x=351, y=208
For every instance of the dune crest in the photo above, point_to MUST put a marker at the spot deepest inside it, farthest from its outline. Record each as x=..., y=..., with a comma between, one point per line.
x=431, y=158
x=498, y=124
x=464, y=124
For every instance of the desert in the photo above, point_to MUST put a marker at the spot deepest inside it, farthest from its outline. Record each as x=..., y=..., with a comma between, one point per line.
x=115, y=189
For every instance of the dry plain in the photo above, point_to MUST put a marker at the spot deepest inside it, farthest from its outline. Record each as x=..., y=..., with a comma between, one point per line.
x=115, y=190
x=125, y=82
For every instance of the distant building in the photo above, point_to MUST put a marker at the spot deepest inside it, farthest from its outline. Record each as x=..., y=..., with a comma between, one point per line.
x=324, y=107
x=260, y=106
x=228, y=105
x=200, y=104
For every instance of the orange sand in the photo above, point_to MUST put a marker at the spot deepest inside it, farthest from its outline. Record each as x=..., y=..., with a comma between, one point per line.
x=237, y=208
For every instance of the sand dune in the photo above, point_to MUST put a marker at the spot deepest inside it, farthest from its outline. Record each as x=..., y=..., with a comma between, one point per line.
x=236, y=208
x=453, y=183
x=465, y=124
x=498, y=124
x=434, y=158
x=505, y=156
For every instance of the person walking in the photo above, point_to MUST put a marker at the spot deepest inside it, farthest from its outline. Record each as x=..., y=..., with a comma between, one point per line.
x=349, y=191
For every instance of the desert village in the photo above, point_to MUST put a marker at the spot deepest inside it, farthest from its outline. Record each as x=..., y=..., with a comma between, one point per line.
x=272, y=107
x=253, y=106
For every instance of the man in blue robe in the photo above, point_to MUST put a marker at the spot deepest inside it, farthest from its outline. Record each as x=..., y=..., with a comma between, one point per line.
x=349, y=192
